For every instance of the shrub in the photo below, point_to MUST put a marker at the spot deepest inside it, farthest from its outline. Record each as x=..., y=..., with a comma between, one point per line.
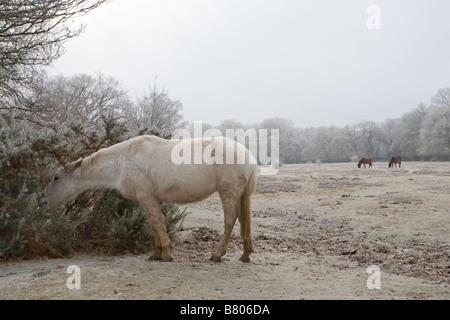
x=131, y=232
x=95, y=220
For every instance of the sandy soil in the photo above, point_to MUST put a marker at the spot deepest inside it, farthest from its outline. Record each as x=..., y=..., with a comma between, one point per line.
x=316, y=230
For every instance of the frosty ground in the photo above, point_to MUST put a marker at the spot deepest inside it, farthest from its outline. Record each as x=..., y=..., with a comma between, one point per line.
x=316, y=230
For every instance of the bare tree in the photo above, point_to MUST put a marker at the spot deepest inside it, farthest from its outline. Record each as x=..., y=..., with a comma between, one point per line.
x=388, y=137
x=435, y=133
x=441, y=98
x=80, y=98
x=32, y=34
x=229, y=124
x=352, y=136
x=409, y=135
x=369, y=133
x=286, y=133
x=155, y=109
x=326, y=144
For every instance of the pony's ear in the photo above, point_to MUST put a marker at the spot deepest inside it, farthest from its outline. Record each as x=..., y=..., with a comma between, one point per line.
x=74, y=165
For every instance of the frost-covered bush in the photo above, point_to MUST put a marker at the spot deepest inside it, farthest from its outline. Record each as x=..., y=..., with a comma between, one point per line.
x=95, y=220
x=130, y=231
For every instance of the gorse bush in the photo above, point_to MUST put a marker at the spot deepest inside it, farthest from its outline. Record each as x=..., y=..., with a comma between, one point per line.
x=24, y=168
x=97, y=220
x=130, y=231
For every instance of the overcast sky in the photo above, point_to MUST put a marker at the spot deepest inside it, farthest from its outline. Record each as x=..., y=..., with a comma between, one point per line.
x=312, y=61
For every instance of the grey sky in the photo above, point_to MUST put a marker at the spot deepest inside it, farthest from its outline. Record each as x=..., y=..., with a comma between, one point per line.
x=314, y=62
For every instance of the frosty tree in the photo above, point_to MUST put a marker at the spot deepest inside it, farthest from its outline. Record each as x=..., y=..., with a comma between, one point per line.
x=32, y=34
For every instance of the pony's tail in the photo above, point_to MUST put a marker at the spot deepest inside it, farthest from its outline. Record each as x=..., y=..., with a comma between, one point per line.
x=245, y=214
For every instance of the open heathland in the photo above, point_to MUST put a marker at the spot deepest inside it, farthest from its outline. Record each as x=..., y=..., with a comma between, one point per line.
x=316, y=229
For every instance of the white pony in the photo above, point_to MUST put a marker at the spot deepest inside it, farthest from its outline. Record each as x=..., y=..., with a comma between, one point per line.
x=142, y=169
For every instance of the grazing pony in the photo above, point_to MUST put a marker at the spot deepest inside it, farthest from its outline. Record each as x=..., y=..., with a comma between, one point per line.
x=365, y=161
x=143, y=169
x=394, y=161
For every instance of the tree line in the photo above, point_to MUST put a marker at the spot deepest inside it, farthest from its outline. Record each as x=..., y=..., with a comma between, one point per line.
x=82, y=100
x=419, y=135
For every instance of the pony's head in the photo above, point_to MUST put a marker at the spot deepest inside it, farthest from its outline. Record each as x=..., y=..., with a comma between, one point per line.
x=360, y=162
x=64, y=186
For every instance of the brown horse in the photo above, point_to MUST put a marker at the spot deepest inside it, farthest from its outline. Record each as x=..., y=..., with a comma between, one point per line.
x=365, y=161
x=394, y=161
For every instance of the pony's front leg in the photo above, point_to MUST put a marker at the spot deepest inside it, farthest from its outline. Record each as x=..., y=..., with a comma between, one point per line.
x=163, y=245
x=157, y=254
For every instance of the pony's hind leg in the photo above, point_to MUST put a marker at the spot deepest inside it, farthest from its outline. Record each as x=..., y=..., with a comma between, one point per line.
x=245, y=220
x=248, y=249
x=230, y=216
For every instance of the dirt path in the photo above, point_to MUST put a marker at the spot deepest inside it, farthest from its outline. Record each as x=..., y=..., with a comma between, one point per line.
x=316, y=230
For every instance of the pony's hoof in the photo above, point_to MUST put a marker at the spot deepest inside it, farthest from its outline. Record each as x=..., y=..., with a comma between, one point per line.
x=215, y=259
x=154, y=258
x=167, y=259
x=245, y=259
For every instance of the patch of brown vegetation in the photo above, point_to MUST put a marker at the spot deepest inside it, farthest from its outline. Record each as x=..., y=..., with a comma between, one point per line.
x=36, y=248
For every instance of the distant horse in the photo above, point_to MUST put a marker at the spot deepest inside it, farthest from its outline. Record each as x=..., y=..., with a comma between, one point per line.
x=394, y=161
x=143, y=169
x=365, y=161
